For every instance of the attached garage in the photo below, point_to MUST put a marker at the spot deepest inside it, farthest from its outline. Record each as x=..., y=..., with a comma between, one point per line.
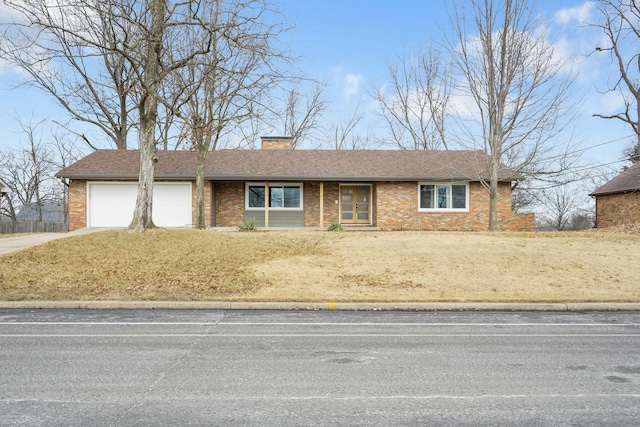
x=111, y=204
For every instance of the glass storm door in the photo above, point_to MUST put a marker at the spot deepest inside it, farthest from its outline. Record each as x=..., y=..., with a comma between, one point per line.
x=355, y=204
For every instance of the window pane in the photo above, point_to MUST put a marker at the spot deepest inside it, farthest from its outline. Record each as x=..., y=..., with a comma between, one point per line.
x=443, y=196
x=292, y=197
x=256, y=197
x=426, y=197
x=459, y=196
x=275, y=197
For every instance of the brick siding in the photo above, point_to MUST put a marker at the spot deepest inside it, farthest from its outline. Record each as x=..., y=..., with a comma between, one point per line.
x=229, y=204
x=77, y=204
x=617, y=209
x=397, y=209
x=331, y=194
x=277, y=143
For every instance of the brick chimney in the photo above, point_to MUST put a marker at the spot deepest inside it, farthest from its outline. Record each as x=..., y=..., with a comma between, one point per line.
x=277, y=142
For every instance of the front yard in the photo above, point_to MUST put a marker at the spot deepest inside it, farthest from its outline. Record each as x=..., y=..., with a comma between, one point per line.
x=313, y=266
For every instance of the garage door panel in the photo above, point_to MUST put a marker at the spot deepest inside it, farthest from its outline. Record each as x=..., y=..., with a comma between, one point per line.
x=172, y=205
x=112, y=204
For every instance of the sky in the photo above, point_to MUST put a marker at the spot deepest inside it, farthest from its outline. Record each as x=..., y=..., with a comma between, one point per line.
x=347, y=44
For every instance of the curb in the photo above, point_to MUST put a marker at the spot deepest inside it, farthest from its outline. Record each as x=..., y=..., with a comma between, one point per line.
x=346, y=306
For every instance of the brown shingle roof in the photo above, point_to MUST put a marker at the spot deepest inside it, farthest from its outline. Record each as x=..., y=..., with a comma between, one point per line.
x=288, y=165
x=628, y=180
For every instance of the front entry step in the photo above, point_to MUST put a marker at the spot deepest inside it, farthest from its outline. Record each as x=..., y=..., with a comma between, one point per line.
x=349, y=227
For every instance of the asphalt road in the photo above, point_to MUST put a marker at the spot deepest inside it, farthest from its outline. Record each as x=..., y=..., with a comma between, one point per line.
x=291, y=368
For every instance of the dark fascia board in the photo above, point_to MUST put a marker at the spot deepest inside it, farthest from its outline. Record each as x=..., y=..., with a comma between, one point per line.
x=608, y=193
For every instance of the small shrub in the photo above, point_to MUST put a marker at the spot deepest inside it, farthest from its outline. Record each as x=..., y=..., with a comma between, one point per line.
x=335, y=226
x=249, y=225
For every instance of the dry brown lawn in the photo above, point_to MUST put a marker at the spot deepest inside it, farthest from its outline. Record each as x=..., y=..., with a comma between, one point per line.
x=313, y=266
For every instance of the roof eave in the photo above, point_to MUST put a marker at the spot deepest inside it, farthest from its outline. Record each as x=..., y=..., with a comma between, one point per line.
x=103, y=177
x=135, y=177
x=618, y=191
x=348, y=178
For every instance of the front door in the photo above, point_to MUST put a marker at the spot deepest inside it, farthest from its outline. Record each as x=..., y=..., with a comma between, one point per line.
x=355, y=204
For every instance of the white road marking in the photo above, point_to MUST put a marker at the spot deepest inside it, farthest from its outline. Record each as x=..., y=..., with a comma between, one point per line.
x=391, y=397
x=254, y=335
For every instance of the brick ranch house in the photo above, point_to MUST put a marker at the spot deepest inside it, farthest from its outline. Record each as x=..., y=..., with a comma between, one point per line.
x=389, y=189
x=618, y=201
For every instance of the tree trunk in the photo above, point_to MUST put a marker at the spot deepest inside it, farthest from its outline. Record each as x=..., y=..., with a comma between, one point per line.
x=493, y=205
x=143, y=213
x=148, y=108
x=202, y=155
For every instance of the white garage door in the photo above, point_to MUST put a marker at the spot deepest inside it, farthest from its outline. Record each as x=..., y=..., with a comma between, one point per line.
x=111, y=204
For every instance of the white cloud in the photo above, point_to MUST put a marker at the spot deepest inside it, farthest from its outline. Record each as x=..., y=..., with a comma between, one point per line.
x=579, y=14
x=352, y=85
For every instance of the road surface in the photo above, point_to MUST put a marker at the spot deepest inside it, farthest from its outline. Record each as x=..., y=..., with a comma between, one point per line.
x=291, y=368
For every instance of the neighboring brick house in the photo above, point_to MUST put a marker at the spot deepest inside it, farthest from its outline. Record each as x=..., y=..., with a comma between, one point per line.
x=618, y=201
x=279, y=187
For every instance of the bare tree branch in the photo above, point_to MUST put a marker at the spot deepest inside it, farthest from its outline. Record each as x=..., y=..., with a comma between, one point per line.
x=519, y=92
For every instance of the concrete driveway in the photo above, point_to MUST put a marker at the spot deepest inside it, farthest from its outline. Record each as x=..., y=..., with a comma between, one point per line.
x=18, y=243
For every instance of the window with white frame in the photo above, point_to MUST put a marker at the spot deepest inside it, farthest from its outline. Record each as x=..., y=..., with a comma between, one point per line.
x=280, y=196
x=443, y=197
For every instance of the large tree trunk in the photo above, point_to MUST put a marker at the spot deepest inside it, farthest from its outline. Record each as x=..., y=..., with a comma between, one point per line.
x=493, y=205
x=202, y=155
x=148, y=107
x=143, y=213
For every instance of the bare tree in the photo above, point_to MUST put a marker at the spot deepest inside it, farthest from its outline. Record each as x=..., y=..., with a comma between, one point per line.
x=72, y=54
x=303, y=113
x=228, y=86
x=416, y=104
x=28, y=171
x=516, y=85
x=620, y=24
x=143, y=40
x=342, y=135
x=65, y=151
x=561, y=204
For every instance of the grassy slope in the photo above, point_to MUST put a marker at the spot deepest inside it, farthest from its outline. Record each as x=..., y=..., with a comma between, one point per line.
x=317, y=266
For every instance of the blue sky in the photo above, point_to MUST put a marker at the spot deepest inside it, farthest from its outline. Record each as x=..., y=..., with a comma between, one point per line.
x=347, y=43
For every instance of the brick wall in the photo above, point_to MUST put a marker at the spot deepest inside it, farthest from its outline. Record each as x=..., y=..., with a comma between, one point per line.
x=277, y=143
x=77, y=204
x=229, y=204
x=397, y=209
x=312, y=204
x=207, y=203
x=617, y=209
